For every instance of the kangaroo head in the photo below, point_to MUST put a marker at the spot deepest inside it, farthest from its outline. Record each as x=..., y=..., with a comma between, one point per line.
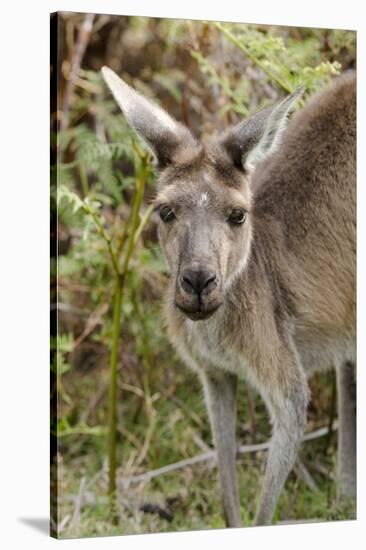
x=204, y=195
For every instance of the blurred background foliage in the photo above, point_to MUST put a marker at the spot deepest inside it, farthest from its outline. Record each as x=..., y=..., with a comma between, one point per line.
x=207, y=75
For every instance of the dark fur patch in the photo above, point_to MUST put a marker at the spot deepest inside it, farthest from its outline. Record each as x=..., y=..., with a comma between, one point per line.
x=211, y=159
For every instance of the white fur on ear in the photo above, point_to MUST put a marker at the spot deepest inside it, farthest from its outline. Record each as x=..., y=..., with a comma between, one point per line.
x=164, y=135
x=131, y=101
x=274, y=127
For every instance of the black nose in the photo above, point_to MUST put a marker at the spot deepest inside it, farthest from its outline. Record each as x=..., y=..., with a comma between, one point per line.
x=196, y=281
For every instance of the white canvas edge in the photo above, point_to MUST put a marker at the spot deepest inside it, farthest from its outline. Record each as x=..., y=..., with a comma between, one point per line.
x=24, y=272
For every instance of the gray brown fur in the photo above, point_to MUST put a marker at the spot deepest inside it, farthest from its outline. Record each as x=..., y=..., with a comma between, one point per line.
x=275, y=297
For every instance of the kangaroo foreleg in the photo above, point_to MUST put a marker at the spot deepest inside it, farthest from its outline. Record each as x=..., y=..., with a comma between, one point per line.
x=287, y=405
x=220, y=394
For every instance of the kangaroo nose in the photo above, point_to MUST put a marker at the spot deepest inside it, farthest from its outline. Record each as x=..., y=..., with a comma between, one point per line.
x=196, y=281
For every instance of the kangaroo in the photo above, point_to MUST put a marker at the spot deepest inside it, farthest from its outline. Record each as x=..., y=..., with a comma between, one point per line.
x=258, y=229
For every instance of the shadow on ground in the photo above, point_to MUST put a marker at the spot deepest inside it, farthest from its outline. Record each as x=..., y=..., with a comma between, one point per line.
x=39, y=524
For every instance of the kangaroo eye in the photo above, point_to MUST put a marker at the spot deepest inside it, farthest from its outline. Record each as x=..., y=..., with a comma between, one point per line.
x=166, y=214
x=237, y=216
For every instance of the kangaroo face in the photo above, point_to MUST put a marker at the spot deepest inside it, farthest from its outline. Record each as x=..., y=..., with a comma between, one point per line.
x=203, y=194
x=204, y=231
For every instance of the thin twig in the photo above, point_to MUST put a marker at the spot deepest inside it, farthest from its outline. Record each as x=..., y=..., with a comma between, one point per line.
x=103, y=20
x=61, y=526
x=131, y=437
x=104, y=235
x=200, y=443
x=92, y=322
x=82, y=42
x=230, y=36
x=325, y=472
x=304, y=474
x=94, y=401
x=211, y=455
x=145, y=218
x=124, y=236
x=204, y=457
x=78, y=504
x=148, y=436
x=187, y=410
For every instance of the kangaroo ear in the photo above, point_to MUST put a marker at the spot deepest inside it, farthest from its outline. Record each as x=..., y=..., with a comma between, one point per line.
x=165, y=136
x=254, y=139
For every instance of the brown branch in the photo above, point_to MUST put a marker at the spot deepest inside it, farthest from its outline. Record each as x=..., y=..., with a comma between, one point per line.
x=78, y=504
x=92, y=322
x=304, y=474
x=211, y=455
x=77, y=57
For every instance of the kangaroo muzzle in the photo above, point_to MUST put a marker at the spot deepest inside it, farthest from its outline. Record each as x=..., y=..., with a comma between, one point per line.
x=198, y=292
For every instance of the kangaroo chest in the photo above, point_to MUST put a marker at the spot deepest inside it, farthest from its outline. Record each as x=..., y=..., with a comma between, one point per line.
x=206, y=345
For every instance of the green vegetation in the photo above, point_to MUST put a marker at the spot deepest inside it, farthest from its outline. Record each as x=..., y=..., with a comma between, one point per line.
x=124, y=398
